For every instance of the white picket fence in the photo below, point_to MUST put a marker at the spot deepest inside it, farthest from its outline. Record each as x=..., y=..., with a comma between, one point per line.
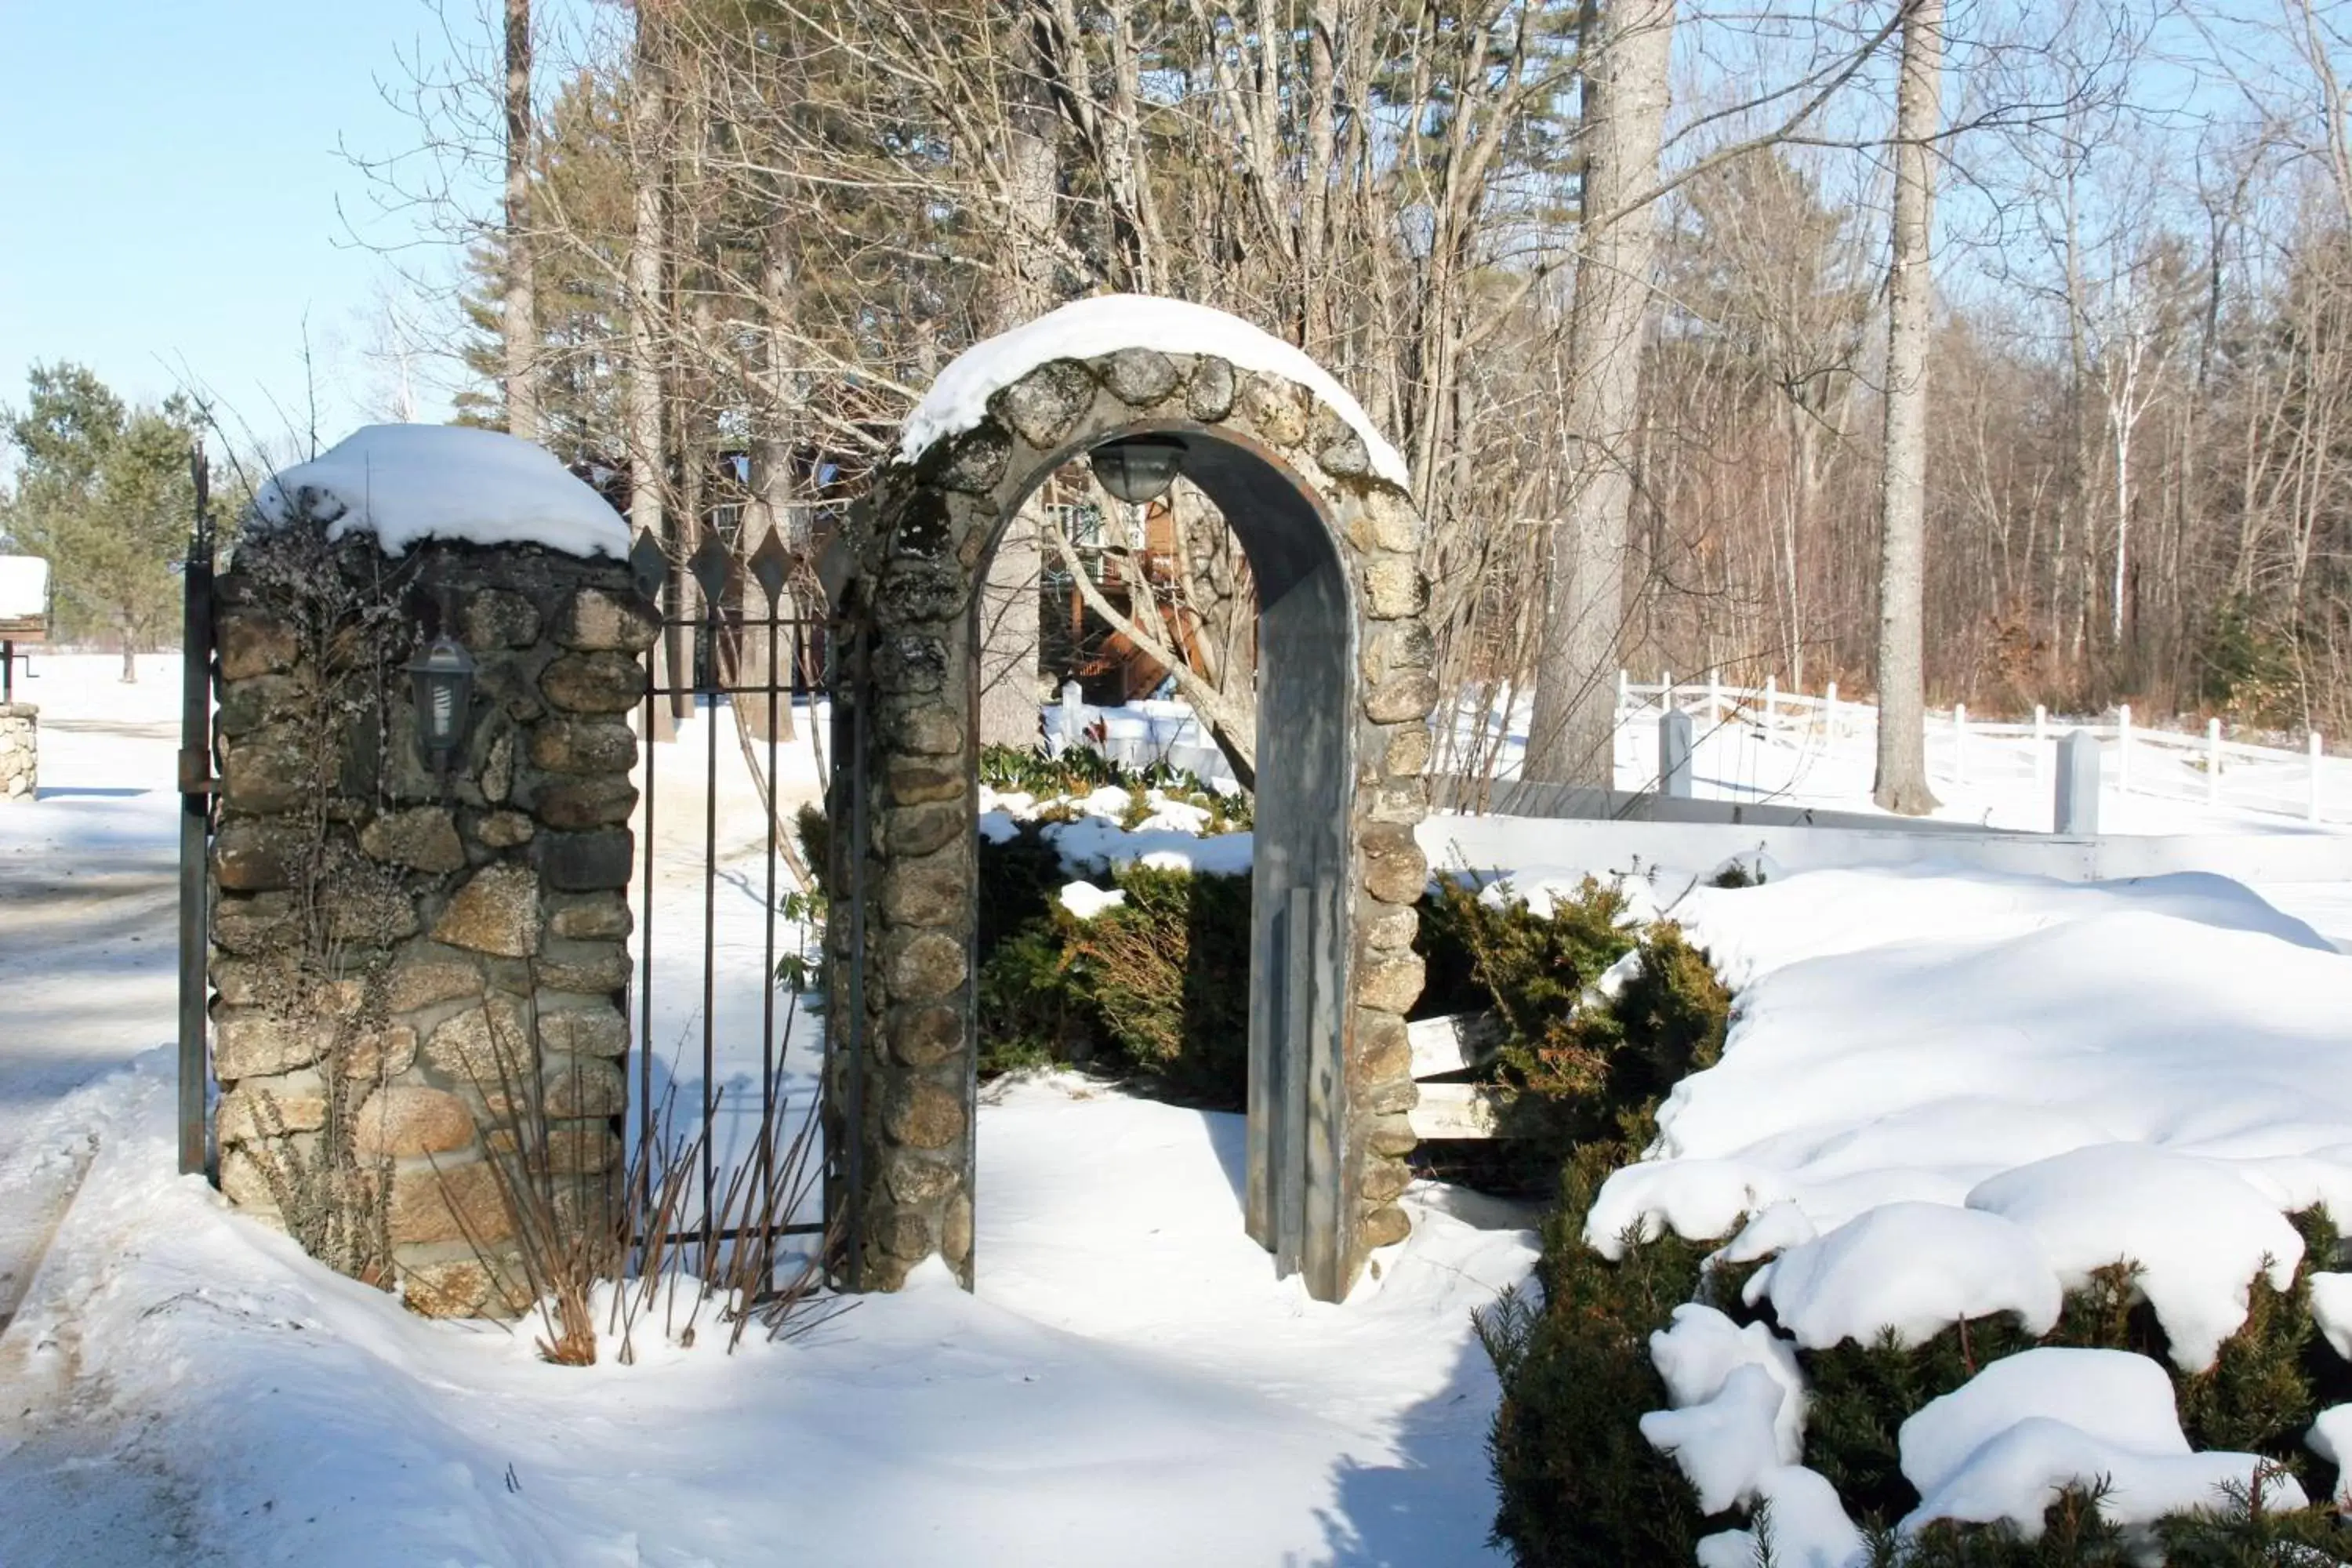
x=2206, y=769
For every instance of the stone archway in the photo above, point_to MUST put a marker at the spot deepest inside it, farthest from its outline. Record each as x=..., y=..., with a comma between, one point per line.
x=1346, y=692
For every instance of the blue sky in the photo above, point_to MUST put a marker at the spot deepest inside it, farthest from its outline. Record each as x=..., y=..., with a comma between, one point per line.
x=169, y=184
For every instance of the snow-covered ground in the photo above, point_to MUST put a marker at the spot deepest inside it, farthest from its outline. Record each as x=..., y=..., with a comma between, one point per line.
x=1129, y=1383
x=2028, y=1075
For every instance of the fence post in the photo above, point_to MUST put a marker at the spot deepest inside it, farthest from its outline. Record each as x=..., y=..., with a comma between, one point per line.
x=1714, y=698
x=1624, y=691
x=1772, y=700
x=1959, y=743
x=2212, y=761
x=2077, y=806
x=2123, y=746
x=1665, y=691
x=2041, y=746
x=1073, y=717
x=2316, y=752
x=1828, y=713
x=1674, y=753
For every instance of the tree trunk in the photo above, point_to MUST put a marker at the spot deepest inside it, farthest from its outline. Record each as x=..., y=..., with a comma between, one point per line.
x=519, y=318
x=1024, y=288
x=648, y=481
x=1625, y=89
x=768, y=656
x=1902, y=783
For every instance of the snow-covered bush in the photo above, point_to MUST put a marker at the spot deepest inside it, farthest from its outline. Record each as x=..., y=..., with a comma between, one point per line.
x=1601, y=1015
x=1608, y=1449
x=1149, y=981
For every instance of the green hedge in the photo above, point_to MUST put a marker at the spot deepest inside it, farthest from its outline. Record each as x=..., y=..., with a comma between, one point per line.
x=1579, y=1486
x=1157, y=986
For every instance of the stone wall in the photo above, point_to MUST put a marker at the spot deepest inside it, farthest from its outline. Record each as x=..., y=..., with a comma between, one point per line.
x=911, y=558
x=20, y=750
x=415, y=975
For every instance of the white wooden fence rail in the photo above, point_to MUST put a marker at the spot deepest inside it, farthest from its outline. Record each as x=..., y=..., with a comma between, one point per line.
x=2207, y=768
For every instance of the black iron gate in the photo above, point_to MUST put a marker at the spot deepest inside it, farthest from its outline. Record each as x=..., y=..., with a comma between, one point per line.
x=196, y=784
x=736, y=645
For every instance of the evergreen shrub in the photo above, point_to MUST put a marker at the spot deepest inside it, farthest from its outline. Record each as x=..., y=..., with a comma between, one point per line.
x=1579, y=1486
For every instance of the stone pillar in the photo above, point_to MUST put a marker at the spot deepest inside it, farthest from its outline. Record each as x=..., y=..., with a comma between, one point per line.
x=414, y=976
x=20, y=750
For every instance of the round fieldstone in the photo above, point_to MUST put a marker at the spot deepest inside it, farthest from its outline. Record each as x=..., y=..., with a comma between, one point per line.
x=605, y=917
x=582, y=1148
x=503, y=829
x=259, y=1108
x=448, y=1203
x=595, y=621
x=586, y=1087
x=913, y=831
x=926, y=966
x=1406, y=753
x=258, y=854
x=482, y=1048
x=1385, y=1227
x=1391, y=983
x=422, y=839
x=494, y=618
x=924, y=1036
x=1138, y=377
x=1208, y=396
x=915, y=1179
x=1403, y=699
x=928, y=893
x=585, y=1031
x=402, y=1120
x=1396, y=870
x=574, y=805
x=1044, y=405
x=924, y=1115
x=1394, y=588
x=497, y=911
x=601, y=682
x=251, y=644
x=255, y=1044
x=1272, y=407
x=975, y=460
x=583, y=746
x=1383, y=1047
x=587, y=968
x=416, y=984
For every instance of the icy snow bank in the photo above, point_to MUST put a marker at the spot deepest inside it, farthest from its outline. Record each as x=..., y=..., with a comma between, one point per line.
x=1910, y=1266
x=1724, y=1445
x=1810, y=1528
x=2006, y=1442
x=2330, y=1437
x=1172, y=835
x=1087, y=329
x=2331, y=1308
x=404, y=483
x=1697, y=1356
x=2198, y=1231
x=24, y=586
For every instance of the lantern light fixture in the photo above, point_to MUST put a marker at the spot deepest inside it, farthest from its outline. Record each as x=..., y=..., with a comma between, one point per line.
x=443, y=678
x=1139, y=468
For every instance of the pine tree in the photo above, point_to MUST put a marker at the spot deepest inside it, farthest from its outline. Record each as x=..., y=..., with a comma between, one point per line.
x=105, y=497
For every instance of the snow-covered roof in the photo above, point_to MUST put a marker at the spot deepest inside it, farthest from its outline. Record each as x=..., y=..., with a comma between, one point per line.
x=1088, y=329
x=410, y=482
x=23, y=587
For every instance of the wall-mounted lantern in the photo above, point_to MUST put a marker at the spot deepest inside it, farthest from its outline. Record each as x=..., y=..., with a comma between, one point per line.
x=443, y=677
x=1139, y=468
